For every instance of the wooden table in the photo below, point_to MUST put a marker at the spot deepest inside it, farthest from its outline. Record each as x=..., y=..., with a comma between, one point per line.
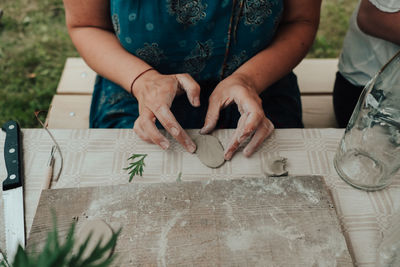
x=70, y=106
x=95, y=157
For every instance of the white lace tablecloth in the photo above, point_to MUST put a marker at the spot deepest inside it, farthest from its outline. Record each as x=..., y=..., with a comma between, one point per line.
x=96, y=157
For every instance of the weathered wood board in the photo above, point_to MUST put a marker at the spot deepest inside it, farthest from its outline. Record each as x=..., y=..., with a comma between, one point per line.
x=286, y=221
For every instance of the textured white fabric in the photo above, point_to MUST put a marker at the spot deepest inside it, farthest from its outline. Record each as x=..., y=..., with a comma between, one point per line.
x=96, y=157
x=386, y=5
x=363, y=55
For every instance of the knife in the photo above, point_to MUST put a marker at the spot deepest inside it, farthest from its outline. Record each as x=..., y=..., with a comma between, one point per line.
x=13, y=190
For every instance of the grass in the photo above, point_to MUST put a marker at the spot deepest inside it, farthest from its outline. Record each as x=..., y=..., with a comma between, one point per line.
x=34, y=45
x=335, y=15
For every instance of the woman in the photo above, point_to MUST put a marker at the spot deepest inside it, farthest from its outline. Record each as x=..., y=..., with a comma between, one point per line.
x=372, y=39
x=150, y=53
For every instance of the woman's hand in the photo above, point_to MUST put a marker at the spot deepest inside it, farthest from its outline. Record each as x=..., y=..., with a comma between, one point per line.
x=155, y=93
x=236, y=88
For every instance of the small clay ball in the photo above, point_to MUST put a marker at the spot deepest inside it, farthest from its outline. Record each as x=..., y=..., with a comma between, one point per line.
x=209, y=150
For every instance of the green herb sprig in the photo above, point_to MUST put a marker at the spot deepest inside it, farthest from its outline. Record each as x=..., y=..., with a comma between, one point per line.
x=136, y=166
x=56, y=254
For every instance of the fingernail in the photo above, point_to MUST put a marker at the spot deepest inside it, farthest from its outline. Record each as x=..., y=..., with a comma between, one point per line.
x=191, y=148
x=228, y=156
x=174, y=131
x=204, y=130
x=246, y=152
x=164, y=145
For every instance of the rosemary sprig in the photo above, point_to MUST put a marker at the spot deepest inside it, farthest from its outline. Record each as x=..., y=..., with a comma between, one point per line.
x=136, y=166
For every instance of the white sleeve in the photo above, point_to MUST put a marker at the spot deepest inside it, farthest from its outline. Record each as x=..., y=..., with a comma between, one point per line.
x=389, y=6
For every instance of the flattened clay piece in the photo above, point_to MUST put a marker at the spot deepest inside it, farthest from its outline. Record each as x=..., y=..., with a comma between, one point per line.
x=209, y=150
x=276, y=166
x=99, y=230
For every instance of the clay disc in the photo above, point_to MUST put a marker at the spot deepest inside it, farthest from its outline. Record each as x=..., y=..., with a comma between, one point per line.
x=99, y=230
x=276, y=166
x=209, y=150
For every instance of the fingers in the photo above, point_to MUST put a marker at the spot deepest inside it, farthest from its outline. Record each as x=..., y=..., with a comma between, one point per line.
x=234, y=143
x=191, y=87
x=252, y=122
x=167, y=119
x=247, y=125
x=147, y=130
x=212, y=117
x=155, y=101
x=264, y=130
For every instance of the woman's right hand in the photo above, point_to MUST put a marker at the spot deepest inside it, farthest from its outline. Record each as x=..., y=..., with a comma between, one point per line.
x=155, y=93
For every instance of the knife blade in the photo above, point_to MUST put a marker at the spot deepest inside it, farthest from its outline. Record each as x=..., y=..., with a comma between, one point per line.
x=13, y=189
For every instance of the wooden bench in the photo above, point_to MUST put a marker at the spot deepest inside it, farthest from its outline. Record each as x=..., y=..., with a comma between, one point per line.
x=70, y=106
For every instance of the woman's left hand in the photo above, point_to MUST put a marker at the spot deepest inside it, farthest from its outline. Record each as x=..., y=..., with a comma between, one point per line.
x=236, y=88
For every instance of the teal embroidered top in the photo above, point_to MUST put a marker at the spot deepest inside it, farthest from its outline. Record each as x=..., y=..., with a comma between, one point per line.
x=209, y=39
x=179, y=36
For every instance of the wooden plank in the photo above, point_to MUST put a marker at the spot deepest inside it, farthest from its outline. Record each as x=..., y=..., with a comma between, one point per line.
x=281, y=221
x=316, y=76
x=69, y=112
x=318, y=111
x=72, y=111
x=77, y=78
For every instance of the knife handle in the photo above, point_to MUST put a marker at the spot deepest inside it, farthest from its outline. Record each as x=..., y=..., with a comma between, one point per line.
x=12, y=155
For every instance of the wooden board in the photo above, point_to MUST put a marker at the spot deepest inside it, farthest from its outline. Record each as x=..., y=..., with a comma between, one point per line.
x=287, y=221
x=69, y=112
x=318, y=111
x=76, y=78
x=316, y=76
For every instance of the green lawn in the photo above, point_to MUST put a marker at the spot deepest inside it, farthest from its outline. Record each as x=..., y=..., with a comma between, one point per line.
x=34, y=45
x=335, y=15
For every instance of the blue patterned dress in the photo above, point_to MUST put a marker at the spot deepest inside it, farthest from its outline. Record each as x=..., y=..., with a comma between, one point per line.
x=191, y=36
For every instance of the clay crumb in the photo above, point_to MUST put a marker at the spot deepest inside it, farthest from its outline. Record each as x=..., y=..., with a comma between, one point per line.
x=276, y=166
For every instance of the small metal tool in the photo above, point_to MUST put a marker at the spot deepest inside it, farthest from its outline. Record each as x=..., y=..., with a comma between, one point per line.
x=49, y=169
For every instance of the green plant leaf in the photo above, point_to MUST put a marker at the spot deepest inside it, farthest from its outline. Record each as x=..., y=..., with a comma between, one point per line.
x=56, y=254
x=136, y=167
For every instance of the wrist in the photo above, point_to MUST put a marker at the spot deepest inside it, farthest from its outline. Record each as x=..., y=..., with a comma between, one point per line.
x=246, y=81
x=138, y=81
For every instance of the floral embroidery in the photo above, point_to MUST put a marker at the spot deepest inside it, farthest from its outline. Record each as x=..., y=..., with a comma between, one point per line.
x=256, y=11
x=224, y=3
x=196, y=61
x=149, y=27
x=132, y=16
x=187, y=12
x=117, y=97
x=235, y=62
x=115, y=22
x=152, y=54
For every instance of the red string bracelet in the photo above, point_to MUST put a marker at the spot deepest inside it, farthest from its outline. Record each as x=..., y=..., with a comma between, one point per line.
x=137, y=77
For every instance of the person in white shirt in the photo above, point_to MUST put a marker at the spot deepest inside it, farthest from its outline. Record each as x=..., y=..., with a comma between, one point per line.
x=373, y=38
